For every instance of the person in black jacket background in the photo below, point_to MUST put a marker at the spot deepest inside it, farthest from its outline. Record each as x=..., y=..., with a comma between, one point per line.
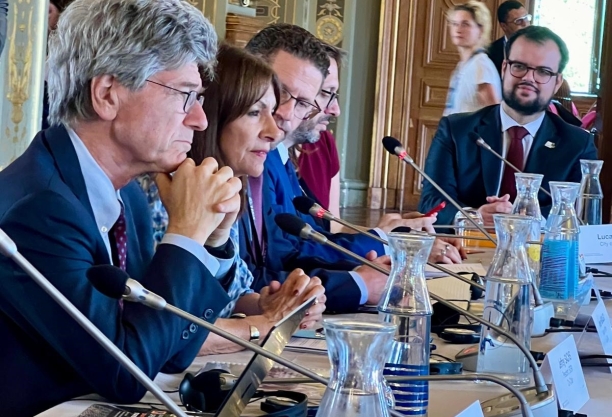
x=512, y=16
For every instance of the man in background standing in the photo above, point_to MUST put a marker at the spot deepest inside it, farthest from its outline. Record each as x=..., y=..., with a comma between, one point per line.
x=512, y=17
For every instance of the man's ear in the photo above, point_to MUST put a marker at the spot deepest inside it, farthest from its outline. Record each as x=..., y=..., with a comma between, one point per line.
x=104, y=96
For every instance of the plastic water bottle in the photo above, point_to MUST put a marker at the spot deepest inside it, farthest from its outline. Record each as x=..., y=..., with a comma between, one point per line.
x=560, y=269
x=405, y=303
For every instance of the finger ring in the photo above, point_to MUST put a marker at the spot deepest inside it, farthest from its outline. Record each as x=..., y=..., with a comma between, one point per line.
x=316, y=301
x=446, y=248
x=443, y=252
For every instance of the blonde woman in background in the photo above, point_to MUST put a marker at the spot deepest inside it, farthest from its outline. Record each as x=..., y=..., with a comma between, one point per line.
x=475, y=83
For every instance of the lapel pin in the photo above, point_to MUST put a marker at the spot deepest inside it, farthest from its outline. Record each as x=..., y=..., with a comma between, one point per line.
x=550, y=145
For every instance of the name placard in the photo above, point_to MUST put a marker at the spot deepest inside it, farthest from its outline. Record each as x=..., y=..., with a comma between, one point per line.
x=562, y=367
x=595, y=243
x=601, y=318
x=474, y=410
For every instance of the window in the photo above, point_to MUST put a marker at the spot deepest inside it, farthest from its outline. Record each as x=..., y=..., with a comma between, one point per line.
x=580, y=24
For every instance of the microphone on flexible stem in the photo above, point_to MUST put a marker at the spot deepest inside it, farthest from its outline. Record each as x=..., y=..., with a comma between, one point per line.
x=519, y=394
x=9, y=249
x=395, y=147
x=297, y=227
x=307, y=205
x=480, y=142
x=115, y=283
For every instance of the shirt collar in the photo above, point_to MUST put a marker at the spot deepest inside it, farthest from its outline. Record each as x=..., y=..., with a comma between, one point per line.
x=103, y=197
x=283, y=152
x=507, y=122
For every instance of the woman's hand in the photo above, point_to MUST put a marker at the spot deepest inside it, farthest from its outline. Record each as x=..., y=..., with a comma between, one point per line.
x=447, y=251
x=278, y=300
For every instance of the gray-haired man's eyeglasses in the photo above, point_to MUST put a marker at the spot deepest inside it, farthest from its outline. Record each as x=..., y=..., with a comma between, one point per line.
x=191, y=97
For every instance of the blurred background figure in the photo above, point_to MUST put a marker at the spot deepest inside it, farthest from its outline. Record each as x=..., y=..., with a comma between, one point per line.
x=3, y=23
x=475, y=83
x=563, y=106
x=512, y=16
x=56, y=7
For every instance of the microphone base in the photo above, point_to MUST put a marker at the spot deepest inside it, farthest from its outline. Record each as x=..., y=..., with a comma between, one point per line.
x=542, y=405
x=541, y=319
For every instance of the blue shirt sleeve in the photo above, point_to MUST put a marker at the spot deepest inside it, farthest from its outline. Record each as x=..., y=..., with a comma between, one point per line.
x=210, y=262
x=362, y=286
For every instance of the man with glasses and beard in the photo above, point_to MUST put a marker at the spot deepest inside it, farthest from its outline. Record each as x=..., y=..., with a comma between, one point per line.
x=519, y=128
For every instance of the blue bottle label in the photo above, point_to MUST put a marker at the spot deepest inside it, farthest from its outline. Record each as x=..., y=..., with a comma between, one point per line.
x=559, y=272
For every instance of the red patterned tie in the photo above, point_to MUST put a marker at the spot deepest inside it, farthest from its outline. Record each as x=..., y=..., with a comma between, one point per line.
x=120, y=235
x=516, y=157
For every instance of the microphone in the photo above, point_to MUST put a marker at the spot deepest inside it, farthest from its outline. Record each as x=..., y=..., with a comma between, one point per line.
x=297, y=227
x=308, y=206
x=545, y=405
x=115, y=283
x=394, y=146
x=9, y=249
x=480, y=142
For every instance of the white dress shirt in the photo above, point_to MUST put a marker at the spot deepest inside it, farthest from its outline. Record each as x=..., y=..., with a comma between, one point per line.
x=506, y=123
x=104, y=200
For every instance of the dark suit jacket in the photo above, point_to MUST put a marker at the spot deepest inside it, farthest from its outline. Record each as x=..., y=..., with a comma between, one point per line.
x=45, y=356
x=281, y=256
x=496, y=53
x=282, y=186
x=469, y=173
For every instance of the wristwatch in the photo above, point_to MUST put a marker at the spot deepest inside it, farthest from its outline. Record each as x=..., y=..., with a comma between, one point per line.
x=254, y=333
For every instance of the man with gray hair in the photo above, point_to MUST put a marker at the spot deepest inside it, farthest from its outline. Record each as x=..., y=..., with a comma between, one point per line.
x=125, y=98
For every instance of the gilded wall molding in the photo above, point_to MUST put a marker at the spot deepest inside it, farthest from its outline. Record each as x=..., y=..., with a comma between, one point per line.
x=22, y=77
x=330, y=21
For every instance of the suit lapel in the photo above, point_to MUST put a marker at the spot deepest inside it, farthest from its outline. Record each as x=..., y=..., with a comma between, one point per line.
x=67, y=162
x=490, y=131
x=60, y=146
x=539, y=149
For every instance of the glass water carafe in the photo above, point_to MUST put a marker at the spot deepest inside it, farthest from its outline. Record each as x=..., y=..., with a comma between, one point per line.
x=357, y=352
x=527, y=204
x=405, y=303
x=507, y=303
x=559, y=271
x=588, y=206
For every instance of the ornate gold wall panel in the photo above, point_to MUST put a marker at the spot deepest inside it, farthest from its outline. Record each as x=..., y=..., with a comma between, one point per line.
x=21, y=77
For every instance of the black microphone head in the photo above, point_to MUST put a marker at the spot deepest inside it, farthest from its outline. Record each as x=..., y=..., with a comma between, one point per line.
x=402, y=229
x=391, y=144
x=289, y=223
x=303, y=204
x=108, y=279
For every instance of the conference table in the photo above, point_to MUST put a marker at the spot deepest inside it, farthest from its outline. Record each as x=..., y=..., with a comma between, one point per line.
x=447, y=399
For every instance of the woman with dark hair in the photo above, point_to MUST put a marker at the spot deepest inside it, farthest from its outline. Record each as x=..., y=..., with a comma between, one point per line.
x=239, y=105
